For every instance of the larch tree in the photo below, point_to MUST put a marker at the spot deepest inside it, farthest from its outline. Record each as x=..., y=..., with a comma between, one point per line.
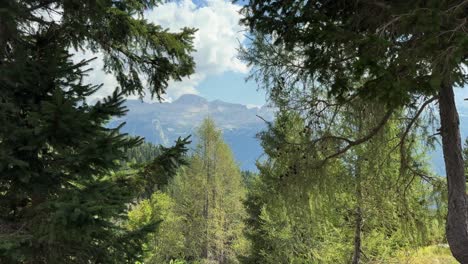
x=165, y=244
x=208, y=193
x=336, y=213
x=403, y=54
x=58, y=202
x=405, y=215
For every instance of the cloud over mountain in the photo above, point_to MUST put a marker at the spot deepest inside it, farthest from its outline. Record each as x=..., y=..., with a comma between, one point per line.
x=216, y=42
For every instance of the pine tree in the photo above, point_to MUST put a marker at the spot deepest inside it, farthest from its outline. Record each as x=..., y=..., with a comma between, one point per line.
x=59, y=200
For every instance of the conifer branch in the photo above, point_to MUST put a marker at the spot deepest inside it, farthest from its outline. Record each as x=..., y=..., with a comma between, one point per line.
x=352, y=143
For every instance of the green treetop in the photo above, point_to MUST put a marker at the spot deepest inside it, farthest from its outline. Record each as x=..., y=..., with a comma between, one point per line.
x=210, y=192
x=201, y=209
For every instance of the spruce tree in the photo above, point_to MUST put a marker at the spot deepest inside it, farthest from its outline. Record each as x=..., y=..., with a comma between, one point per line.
x=59, y=202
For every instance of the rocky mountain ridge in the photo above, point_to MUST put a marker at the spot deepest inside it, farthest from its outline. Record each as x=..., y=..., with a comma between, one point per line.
x=162, y=123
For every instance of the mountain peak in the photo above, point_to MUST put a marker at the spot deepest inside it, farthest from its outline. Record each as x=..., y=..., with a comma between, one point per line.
x=163, y=123
x=190, y=99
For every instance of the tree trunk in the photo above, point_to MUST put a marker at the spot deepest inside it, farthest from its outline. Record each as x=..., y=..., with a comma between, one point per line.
x=205, y=250
x=457, y=218
x=358, y=216
x=357, y=236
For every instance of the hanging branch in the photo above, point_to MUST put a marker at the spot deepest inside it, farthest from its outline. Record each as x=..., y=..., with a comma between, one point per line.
x=352, y=143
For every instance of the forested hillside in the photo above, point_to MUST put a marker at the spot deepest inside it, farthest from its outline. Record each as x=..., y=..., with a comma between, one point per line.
x=362, y=90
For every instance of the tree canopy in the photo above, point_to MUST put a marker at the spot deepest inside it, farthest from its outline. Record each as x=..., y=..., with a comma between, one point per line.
x=319, y=56
x=201, y=209
x=344, y=177
x=60, y=200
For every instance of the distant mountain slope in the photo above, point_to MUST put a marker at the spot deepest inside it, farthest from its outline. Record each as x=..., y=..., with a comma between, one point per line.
x=162, y=123
x=437, y=156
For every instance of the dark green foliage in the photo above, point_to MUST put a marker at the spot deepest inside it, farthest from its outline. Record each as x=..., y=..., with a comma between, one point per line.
x=157, y=164
x=253, y=205
x=143, y=153
x=248, y=178
x=56, y=203
x=403, y=48
x=163, y=167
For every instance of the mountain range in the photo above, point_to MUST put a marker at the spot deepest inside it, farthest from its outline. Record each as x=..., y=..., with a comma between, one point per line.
x=163, y=123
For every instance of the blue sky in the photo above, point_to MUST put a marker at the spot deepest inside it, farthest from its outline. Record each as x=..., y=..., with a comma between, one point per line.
x=232, y=87
x=219, y=74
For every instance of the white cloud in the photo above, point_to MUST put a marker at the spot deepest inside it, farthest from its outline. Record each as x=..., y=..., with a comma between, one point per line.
x=96, y=76
x=216, y=43
x=186, y=86
x=216, y=40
